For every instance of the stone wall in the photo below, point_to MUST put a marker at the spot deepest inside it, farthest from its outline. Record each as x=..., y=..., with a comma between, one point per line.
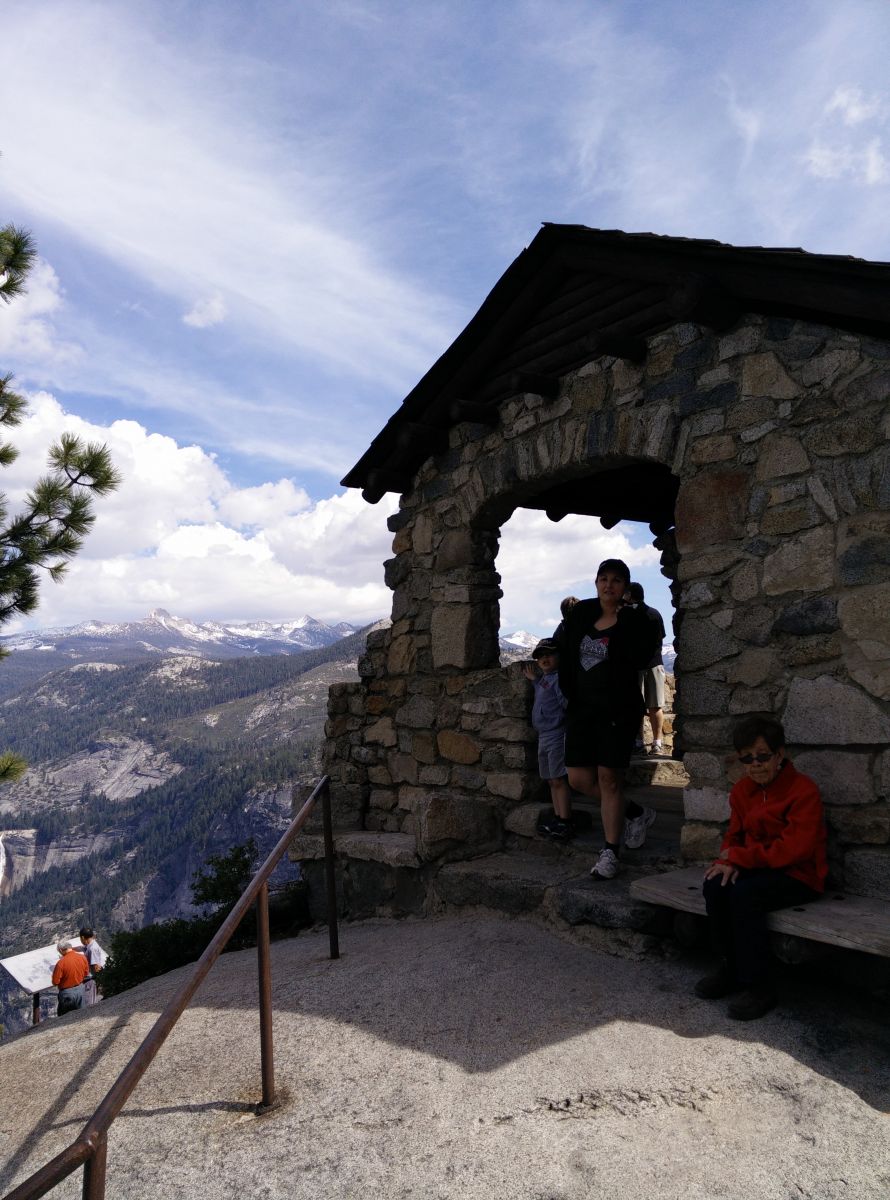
x=778, y=433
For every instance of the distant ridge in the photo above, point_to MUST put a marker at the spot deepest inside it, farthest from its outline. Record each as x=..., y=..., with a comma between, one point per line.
x=160, y=634
x=162, y=631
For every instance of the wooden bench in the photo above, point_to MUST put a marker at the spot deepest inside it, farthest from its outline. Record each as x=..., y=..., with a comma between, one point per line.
x=854, y=922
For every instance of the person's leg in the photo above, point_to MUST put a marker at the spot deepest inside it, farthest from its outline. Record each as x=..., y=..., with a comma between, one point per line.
x=585, y=781
x=752, y=896
x=656, y=720
x=723, y=979
x=551, y=763
x=610, y=782
x=561, y=797
x=654, y=697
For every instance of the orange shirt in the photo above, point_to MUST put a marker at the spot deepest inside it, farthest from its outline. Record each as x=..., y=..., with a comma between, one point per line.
x=71, y=969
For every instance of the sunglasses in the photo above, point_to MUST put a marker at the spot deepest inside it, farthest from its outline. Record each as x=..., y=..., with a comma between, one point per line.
x=747, y=759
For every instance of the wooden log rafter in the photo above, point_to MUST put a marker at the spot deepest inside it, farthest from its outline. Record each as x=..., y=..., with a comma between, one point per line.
x=382, y=480
x=699, y=298
x=522, y=382
x=420, y=437
x=478, y=414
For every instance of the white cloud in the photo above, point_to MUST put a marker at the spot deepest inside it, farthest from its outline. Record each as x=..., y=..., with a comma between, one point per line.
x=541, y=561
x=206, y=313
x=850, y=152
x=179, y=534
x=27, y=323
x=866, y=164
x=745, y=119
x=854, y=106
x=877, y=165
x=264, y=504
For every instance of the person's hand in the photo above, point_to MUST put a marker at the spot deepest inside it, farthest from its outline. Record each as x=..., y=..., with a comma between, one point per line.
x=530, y=671
x=728, y=872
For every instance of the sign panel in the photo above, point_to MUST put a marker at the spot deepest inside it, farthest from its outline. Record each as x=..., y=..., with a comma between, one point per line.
x=33, y=970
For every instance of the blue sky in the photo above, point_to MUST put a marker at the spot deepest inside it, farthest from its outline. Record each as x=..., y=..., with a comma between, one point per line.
x=260, y=224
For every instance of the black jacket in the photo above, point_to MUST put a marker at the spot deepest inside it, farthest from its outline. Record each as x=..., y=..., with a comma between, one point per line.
x=598, y=668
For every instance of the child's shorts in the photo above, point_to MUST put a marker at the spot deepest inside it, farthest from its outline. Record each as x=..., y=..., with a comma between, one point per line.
x=552, y=754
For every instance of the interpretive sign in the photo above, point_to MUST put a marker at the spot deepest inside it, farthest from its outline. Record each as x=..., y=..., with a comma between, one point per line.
x=33, y=970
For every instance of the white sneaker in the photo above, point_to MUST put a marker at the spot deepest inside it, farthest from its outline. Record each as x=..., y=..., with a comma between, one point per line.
x=607, y=865
x=636, y=828
x=656, y=749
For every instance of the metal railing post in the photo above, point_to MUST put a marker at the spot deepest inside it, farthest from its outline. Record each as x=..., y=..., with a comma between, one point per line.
x=265, y=982
x=94, y=1170
x=333, y=933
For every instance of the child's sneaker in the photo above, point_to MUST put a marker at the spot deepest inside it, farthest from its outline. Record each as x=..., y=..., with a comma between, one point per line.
x=557, y=828
x=636, y=828
x=606, y=866
x=656, y=750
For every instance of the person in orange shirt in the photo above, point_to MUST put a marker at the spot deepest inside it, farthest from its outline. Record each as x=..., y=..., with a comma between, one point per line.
x=773, y=856
x=69, y=974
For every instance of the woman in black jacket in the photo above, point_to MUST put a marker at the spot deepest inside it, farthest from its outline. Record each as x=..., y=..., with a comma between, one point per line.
x=603, y=645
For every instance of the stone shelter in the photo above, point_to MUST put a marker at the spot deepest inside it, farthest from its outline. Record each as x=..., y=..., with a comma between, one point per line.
x=733, y=398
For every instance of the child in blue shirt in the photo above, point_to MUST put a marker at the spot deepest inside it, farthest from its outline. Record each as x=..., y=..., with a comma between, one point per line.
x=548, y=718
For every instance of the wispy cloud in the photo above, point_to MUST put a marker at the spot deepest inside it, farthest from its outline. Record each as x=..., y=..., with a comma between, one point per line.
x=850, y=138
x=179, y=185
x=206, y=313
x=854, y=107
x=865, y=164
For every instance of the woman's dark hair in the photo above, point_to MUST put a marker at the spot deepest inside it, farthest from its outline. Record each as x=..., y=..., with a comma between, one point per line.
x=615, y=565
x=750, y=729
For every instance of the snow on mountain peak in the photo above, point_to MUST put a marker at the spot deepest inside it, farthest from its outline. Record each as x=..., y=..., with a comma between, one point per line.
x=526, y=641
x=160, y=629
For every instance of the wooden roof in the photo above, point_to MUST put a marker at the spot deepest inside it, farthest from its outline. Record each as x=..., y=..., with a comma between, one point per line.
x=576, y=293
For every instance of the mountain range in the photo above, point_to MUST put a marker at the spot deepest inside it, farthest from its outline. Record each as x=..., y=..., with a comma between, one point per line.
x=35, y=653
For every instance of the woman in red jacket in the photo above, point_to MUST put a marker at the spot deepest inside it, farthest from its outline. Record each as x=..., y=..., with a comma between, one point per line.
x=773, y=856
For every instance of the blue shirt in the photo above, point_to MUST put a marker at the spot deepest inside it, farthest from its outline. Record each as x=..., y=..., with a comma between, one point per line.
x=549, y=708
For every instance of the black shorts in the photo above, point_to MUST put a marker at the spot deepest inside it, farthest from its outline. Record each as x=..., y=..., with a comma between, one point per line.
x=596, y=738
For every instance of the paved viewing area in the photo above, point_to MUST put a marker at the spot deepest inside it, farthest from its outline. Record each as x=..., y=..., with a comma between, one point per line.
x=466, y=1057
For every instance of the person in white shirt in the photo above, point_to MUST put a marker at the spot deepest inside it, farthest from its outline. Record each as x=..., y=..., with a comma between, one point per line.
x=96, y=957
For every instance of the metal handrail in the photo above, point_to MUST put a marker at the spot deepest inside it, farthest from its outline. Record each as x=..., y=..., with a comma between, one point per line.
x=90, y=1149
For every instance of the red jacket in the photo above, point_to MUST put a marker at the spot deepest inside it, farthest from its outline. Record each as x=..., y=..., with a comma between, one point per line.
x=780, y=826
x=71, y=969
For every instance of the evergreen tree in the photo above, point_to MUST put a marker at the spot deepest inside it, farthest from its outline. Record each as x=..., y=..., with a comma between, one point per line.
x=58, y=511
x=225, y=876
